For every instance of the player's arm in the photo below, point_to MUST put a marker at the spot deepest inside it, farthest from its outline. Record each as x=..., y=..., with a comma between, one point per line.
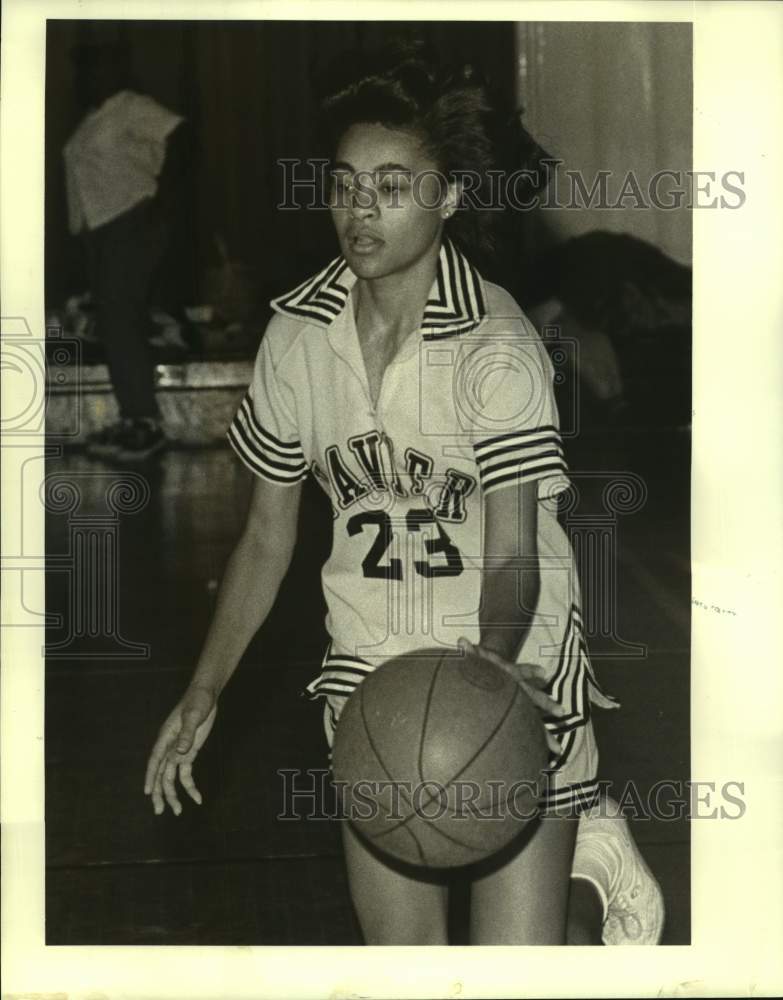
x=250, y=584
x=511, y=578
x=510, y=585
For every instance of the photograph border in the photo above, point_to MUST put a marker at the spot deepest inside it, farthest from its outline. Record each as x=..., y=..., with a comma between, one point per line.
x=737, y=688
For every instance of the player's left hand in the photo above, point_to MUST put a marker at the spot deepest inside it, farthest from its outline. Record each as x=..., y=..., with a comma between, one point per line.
x=180, y=738
x=532, y=679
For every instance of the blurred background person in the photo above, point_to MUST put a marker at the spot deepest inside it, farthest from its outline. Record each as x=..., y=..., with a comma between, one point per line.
x=123, y=169
x=628, y=305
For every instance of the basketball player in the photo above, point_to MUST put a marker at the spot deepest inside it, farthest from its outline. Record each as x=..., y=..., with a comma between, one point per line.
x=420, y=398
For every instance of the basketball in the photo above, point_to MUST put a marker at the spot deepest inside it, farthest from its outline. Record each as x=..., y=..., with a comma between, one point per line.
x=438, y=758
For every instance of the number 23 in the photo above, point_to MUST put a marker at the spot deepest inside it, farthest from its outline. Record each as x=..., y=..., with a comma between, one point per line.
x=414, y=519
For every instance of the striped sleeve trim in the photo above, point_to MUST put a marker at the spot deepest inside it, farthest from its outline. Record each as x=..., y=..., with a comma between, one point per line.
x=263, y=453
x=519, y=457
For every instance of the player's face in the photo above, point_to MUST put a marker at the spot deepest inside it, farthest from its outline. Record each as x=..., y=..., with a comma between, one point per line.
x=387, y=200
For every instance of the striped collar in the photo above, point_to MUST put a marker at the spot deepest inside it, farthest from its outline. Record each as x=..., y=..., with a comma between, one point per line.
x=456, y=303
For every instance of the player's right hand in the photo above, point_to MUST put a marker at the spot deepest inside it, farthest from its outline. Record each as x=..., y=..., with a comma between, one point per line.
x=180, y=738
x=530, y=676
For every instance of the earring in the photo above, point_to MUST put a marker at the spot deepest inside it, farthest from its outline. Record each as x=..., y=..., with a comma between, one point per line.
x=447, y=212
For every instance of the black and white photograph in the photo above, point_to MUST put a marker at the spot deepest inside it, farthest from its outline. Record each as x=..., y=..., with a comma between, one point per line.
x=372, y=601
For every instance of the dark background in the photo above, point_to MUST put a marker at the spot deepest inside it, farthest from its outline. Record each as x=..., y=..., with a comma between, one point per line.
x=246, y=89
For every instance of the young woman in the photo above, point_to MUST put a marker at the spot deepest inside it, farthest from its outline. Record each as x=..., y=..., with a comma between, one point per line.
x=420, y=398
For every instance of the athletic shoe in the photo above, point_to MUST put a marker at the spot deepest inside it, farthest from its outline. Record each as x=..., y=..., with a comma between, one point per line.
x=140, y=439
x=105, y=442
x=607, y=856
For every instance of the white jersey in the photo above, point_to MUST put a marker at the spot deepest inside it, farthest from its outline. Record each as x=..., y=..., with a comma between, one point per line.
x=465, y=408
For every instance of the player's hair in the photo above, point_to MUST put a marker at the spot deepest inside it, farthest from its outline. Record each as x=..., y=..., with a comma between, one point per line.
x=403, y=85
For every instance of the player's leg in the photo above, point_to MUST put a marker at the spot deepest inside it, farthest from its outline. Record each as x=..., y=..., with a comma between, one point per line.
x=393, y=907
x=126, y=262
x=524, y=900
x=585, y=913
